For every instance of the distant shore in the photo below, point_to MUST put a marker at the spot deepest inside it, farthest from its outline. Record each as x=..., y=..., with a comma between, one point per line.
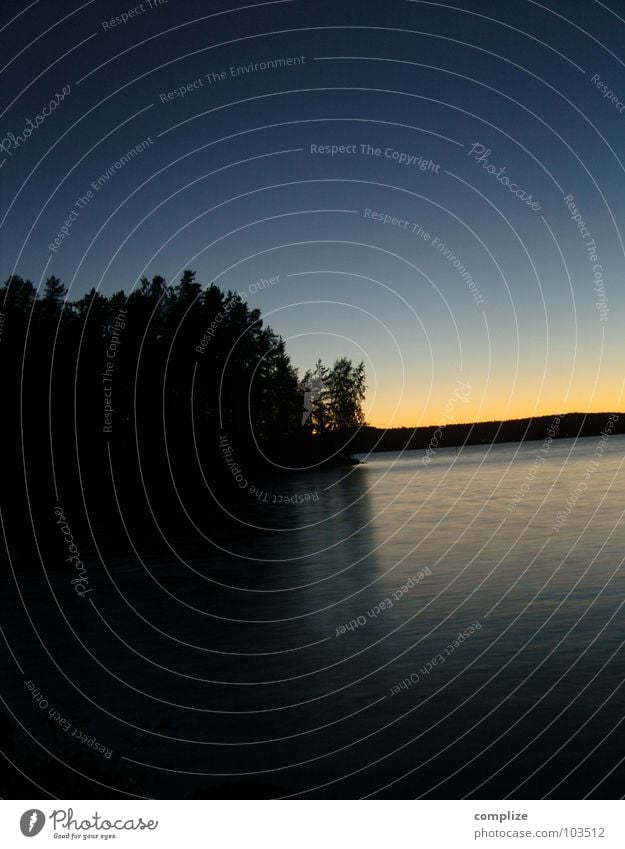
x=555, y=426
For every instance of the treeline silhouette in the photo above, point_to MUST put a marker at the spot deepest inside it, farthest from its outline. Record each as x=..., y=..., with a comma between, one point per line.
x=136, y=407
x=123, y=404
x=567, y=426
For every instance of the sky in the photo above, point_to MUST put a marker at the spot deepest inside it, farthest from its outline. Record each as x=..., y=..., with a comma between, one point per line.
x=433, y=188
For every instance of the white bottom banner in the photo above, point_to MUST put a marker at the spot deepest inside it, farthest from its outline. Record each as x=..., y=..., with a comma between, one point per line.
x=308, y=824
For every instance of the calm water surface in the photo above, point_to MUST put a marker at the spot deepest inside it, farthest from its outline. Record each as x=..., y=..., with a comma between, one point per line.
x=237, y=654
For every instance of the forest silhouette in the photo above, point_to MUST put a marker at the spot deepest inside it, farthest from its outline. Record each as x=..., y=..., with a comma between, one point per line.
x=121, y=403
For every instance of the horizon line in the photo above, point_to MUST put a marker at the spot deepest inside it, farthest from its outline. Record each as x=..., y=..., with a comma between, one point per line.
x=495, y=421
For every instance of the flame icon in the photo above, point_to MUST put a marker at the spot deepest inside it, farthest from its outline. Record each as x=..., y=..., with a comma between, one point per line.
x=31, y=822
x=312, y=393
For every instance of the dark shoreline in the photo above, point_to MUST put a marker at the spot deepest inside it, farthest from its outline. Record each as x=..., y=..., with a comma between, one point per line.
x=531, y=429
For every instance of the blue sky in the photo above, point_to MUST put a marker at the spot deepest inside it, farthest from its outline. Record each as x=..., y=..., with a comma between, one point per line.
x=229, y=181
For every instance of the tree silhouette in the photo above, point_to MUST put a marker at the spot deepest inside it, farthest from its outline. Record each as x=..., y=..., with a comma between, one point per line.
x=54, y=293
x=335, y=396
x=346, y=388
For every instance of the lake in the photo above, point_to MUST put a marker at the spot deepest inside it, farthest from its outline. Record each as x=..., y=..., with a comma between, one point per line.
x=402, y=629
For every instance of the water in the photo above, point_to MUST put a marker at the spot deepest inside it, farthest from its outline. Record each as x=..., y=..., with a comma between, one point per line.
x=235, y=653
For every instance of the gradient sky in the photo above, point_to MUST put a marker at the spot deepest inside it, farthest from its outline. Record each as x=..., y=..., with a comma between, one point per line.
x=227, y=184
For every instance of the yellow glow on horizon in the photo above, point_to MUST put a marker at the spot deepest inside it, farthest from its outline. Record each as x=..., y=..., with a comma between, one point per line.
x=498, y=408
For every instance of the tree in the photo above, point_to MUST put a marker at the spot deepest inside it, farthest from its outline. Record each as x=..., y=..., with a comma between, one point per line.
x=346, y=388
x=54, y=292
x=53, y=299
x=333, y=397
x=17, y=295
